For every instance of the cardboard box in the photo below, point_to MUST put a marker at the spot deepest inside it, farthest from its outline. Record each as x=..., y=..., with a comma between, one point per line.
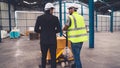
x=33, y=36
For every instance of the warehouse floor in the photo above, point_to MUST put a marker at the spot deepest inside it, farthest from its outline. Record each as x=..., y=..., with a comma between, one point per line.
x=24, y=53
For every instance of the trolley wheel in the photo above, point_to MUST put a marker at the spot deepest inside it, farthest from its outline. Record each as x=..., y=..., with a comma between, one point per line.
x=66, y=63
x=63, y=64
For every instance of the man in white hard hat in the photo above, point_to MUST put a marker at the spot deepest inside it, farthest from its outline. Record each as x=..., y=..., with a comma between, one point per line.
x=76, y=32
x=48, y=25
x=72, y=7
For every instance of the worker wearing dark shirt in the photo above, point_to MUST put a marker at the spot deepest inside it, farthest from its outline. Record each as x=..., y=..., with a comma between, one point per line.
x=48, y=25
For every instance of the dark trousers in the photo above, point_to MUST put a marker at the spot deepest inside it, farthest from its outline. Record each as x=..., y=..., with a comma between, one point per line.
x=44, y=50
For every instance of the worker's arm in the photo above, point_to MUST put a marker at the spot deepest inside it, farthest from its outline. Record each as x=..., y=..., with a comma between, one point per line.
x=65, y=28
x=37, y=26
x=58, y=29
x=68, y=23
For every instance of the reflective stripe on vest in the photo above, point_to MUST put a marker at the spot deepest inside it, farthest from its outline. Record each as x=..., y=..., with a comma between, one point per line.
x=76, y=32
x=77, y=29
x=77, y=35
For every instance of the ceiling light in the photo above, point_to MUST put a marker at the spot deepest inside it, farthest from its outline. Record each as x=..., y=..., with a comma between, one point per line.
x=26, y=2
x=29, y=2
x=33, y=3
x=109, y=10
x=95, y=0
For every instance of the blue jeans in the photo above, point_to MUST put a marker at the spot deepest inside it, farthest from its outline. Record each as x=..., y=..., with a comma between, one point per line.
x=76, y=48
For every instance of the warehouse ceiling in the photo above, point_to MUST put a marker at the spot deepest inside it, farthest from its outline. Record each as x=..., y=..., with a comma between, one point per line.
x=105, y=6
x=101, y=6
x=28, y=4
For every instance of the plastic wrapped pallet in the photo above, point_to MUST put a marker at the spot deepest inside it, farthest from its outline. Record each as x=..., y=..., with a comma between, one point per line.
x=15, y=33
x=4, y=34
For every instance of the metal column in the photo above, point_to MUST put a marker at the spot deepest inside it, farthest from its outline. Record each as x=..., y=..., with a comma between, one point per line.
x=9, y=8
x=91, y=24
x=0, y=37
x=111, y=20
x=96, y=22
x=0, y=30
x=60, y=15
x=64, y=12
x=81, y=9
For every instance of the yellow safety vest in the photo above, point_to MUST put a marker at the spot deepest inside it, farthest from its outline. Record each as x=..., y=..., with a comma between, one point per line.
x=77, y=31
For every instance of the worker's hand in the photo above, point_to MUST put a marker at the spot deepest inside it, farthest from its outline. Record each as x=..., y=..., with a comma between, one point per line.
x=65, y=28
x=64, y=34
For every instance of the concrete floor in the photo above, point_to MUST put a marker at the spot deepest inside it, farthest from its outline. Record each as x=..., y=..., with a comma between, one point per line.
x=24, y=53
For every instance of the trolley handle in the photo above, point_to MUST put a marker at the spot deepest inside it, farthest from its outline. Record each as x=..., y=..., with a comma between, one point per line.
x=66, y=36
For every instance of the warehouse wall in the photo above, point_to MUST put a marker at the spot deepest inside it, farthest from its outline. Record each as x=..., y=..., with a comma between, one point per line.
x=26, y=19
x=5, y=16
x=116, y=19
x=103, y=22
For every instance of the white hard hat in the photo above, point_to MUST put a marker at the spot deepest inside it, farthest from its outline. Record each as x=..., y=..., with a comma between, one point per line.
x=49, y=6
x=73, y=5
